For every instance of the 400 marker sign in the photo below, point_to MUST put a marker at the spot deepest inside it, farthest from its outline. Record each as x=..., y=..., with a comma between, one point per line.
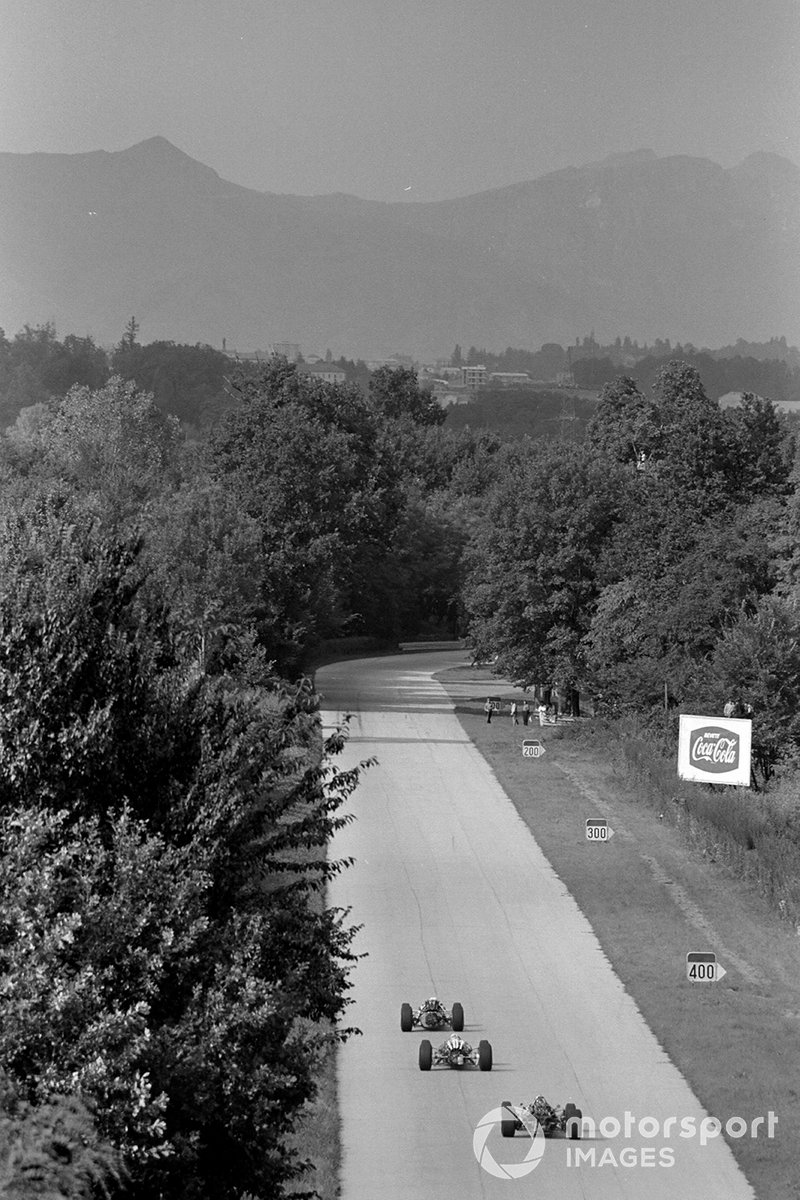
x=702, y=967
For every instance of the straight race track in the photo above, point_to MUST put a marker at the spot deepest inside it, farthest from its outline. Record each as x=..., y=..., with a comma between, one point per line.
x=456, y=899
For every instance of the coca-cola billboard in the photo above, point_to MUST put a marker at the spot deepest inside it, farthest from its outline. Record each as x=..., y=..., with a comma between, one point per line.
x=714, y=750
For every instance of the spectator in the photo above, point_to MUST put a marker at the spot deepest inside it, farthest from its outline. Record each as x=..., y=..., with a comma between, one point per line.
x=513, y=711
x=526, y=712
x=488, y=708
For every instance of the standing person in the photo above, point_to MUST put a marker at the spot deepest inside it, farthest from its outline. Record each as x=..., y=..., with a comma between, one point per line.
x=487, y=708
x=729, y=709
x=526, y=712
x=513, y=711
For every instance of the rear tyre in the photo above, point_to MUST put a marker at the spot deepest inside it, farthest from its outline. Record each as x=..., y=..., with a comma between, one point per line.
x=457, y=1016
x=572, y=1121
x=485, y=1056
x=406, y=1018
x=425, y=1056
x=508, y=1122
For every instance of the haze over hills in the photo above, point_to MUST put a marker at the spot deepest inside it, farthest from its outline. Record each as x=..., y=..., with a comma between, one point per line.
x=651, y=247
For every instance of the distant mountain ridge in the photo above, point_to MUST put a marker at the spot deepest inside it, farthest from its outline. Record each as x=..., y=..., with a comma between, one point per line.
x=635, y=244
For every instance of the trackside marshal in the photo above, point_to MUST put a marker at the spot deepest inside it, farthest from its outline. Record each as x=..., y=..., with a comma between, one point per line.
x=714, y=750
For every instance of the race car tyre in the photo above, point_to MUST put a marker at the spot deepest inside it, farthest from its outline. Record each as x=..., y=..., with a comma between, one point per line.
x=508, y=1122
x=425, y=1056
x=572, y=1121
x=406, y=1018
x=485, y=1056
x=457, y=1018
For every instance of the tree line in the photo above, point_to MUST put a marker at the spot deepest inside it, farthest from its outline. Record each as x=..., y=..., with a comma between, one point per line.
x=655, y=557
x=169, y=970
x=170, y=973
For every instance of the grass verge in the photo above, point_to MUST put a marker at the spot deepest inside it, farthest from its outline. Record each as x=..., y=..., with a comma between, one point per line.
x=653, y=894
x=317, y=1135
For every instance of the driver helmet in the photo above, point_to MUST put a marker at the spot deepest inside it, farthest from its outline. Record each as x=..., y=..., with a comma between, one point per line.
x=432, y=1002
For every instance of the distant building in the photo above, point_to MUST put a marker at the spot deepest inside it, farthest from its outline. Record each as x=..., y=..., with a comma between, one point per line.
x=326, y=371
x=447, y=392
x=473, y=377
x=565, y=379
x=290, y=350
x=509, y=378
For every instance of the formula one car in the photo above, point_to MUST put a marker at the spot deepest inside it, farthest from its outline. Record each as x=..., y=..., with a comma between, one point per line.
x=539, y=1115
x=455, y=1052
x=431, y=1014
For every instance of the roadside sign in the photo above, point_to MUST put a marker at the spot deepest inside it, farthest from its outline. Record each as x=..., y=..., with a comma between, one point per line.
x=702, y=967
x=714, y=749
x=496, y=703
x=532, y=749
x=598, y=830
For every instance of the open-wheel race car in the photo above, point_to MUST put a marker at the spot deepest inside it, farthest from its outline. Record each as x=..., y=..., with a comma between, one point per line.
x=431, y=1014
x=455, y=1052
x=539, y=1115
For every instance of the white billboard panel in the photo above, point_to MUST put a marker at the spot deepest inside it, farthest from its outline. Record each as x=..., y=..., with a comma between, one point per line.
x=714, y=750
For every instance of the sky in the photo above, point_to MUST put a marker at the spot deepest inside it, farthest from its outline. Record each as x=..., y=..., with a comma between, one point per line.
x=401, y=99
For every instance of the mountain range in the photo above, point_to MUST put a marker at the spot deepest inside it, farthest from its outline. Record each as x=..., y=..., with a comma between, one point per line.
x=672, y=247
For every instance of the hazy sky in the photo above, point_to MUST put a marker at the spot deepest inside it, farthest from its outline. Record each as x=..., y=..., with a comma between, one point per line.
x=401, y=99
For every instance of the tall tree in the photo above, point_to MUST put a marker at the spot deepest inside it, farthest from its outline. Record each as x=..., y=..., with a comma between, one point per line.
x=303, y=460
x=395, y=393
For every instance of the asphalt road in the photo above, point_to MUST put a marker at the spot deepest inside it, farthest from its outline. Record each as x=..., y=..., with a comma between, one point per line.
x=457, y=900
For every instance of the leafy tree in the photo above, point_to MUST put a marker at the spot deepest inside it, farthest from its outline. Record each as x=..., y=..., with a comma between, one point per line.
x=36, y=367
x=130, y=335
x=395, y=393
x=531, y=587
x=672, y=596
x=762, y=449
x=98, y=926
x=113, y=443
x=164, y=851
x=757, y=660
x=89, y=696
x=303, y=459
x=188, y=382
x=53, y=1149
x=625, y=426
x=202, y=553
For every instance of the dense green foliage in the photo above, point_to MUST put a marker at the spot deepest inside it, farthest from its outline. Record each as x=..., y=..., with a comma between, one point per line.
x=169, y=971
x=648, y=558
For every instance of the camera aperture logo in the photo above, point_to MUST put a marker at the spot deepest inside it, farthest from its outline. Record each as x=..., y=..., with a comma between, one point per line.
x=491, y=1120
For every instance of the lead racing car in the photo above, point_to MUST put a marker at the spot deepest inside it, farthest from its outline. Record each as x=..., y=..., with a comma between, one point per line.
x=541, y=1115
x=431, y=1014
x=455, y=1052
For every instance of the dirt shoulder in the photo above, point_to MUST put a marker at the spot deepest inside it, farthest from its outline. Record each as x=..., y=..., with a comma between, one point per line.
x=651, y=899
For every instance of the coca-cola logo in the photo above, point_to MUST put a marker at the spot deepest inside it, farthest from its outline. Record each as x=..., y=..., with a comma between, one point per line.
x=714, y=749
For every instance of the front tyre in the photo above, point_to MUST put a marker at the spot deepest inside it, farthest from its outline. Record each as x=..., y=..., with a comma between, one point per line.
x=485, y=1056
x=457, y=1018
x=425, y=1056
x=508, y=1122
x=406, y=1018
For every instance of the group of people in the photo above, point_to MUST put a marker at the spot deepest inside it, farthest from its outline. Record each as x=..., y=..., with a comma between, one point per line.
x=735, y=708
x=524, y=710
